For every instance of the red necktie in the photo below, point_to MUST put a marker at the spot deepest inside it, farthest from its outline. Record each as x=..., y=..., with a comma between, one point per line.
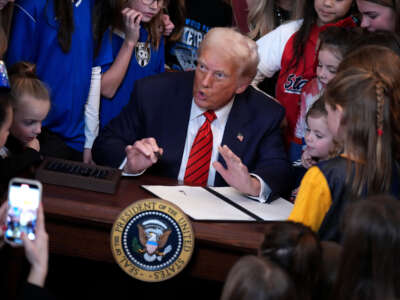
x=198, y=164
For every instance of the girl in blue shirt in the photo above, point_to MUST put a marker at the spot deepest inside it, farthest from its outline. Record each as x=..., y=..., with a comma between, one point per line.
x=56, y=35
x=129, y=47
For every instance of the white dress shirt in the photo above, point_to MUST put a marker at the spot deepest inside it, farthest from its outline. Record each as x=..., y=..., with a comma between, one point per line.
x=196, y=120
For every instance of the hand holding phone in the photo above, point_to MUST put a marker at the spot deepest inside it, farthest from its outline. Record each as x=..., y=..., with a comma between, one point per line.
x=24, y=197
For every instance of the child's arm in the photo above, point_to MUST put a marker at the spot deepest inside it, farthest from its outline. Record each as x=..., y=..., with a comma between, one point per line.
x=270, y=50
x=112, y=78
x=92, y=108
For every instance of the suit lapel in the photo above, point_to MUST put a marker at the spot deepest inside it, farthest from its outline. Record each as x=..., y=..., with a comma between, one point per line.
x=235, y=131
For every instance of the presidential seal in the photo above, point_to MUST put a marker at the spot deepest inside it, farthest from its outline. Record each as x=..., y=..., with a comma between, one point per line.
x=152, y=240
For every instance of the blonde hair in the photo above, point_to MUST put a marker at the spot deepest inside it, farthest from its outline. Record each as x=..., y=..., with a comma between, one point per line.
x=25, y=82
x=241, y=49
x=261, y=18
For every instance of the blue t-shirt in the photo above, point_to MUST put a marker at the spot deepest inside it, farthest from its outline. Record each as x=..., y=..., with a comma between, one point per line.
x=145, y=61
x=34, y=39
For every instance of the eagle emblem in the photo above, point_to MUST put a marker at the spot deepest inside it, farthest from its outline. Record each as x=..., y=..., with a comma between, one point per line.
x=153, y=236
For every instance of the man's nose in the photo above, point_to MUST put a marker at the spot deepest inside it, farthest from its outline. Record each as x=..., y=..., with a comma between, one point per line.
x=207, y=79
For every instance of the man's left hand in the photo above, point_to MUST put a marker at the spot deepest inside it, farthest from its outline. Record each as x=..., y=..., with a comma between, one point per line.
x=236, y=173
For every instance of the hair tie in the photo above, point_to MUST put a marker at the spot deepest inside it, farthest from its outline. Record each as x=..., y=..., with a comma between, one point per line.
x=380, y=101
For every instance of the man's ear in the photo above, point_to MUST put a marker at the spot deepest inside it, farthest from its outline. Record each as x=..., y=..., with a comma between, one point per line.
x=243, y=83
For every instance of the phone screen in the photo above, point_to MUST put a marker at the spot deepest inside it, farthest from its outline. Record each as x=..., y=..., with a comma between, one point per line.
x=23, y=202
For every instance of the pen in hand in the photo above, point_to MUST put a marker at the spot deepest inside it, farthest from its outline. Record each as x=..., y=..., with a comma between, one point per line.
x=158, y=155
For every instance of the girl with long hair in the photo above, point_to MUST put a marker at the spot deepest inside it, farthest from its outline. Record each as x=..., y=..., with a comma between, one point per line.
x=363, y=105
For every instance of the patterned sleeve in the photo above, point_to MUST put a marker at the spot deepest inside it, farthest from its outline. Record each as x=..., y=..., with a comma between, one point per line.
x=271, y=47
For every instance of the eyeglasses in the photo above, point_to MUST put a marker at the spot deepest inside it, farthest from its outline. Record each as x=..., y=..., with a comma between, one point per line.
x=150, y=2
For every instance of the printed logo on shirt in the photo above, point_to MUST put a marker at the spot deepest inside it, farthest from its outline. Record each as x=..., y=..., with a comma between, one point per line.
x=294, y=84
x=143, y=53
x=152, y=240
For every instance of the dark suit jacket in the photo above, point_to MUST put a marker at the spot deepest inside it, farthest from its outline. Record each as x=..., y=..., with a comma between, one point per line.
x=160, y=108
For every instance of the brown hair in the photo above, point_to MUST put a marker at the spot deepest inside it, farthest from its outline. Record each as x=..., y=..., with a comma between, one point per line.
x=296, y=249
x=261, y=17
x=369, y=269
x=317, y=110
x=5, y=25
x=176, y=9
x=108, y=14
x=337, y=39
x=368, y=89
x=24, y=81
x=258, y=279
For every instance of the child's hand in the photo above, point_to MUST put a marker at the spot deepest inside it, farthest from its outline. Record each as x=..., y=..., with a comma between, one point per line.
x=131, y=19
x=167, y=25
x=87, y=156
x=307, y=160
x=34, y=144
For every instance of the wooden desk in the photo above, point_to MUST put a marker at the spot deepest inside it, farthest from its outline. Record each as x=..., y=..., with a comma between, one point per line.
x=79, y=224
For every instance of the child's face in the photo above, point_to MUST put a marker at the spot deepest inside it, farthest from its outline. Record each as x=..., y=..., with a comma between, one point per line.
x=147, y=10
x=333, y=119
x=376, y=17
x=5, y=129
x=327, y=65
x=318, y=138
x=28, y=117
x=329, y=11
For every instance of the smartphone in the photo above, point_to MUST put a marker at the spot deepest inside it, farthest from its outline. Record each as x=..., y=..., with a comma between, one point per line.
x=24, y=196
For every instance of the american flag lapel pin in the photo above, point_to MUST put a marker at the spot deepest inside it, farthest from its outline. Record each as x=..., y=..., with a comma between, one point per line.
x=240, y=137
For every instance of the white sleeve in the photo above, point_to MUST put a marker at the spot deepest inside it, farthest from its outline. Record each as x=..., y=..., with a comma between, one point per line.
x=92, y=108
x=271, y=47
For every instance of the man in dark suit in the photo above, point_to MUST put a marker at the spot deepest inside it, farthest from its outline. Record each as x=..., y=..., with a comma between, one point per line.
x=167, y=115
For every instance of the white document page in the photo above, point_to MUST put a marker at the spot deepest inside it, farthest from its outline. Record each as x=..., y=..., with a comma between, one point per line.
x=198, y=203
x=277, y=210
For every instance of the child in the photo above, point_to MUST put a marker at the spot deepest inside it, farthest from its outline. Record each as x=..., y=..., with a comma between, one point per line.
x=259, y=279
x=56, y=36
x=291, y=48
x=296, y=249
x=130, y=47
x=380, y=15
x=334, y=43
x=319, y=141
x=363, y=105
x=30, y=103
x=318, y=138
x=371, y=241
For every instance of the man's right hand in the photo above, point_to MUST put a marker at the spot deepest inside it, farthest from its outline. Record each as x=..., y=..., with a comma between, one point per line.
x=141, y=155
